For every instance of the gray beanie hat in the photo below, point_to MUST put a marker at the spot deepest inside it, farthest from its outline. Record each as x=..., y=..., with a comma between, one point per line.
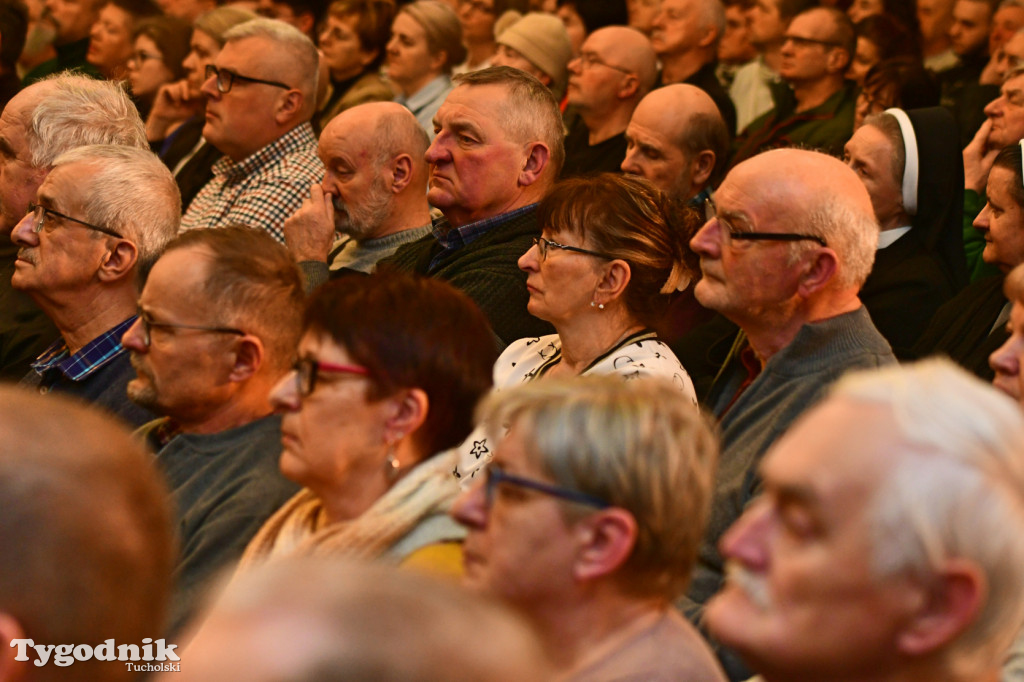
x=541, y=38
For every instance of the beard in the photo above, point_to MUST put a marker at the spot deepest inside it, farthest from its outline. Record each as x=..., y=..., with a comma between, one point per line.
x=361, y=221
x=140, y=389
x=752, y=585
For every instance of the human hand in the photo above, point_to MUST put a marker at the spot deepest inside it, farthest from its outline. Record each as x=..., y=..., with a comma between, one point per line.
x=309, y=232
x=978, y=159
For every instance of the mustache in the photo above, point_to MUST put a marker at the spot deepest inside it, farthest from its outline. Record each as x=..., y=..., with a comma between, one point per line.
x=753, y=585
x=27, y=255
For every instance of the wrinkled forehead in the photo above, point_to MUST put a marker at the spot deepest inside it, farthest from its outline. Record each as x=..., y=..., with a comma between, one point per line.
x=485, y=107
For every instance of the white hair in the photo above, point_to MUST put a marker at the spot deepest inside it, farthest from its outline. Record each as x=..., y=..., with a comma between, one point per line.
x=132, y=192
x=850, y=231
x=77, y=111
x=956, y=490
x=302, y=57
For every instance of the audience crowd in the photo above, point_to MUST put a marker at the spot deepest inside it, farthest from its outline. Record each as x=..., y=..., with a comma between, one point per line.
x=578, y=340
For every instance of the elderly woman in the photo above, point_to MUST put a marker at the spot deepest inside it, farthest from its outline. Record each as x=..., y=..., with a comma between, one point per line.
x=426, y=43
x=352, y=42
x=380, y=387
x=589, y=520
x=609, y=255
x=161, y=44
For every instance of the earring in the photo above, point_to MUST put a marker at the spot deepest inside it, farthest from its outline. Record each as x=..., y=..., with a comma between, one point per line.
x=599, y=306
x=392, y=467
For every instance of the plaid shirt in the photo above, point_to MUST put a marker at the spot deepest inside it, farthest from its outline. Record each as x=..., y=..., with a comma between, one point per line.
x=263, y=189
x=90, y=358
x=454, y=238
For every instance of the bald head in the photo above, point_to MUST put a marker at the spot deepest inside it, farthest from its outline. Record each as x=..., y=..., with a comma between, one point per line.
x=631, y=50
x=818, y=194
x=375, y=169
x=678, y=140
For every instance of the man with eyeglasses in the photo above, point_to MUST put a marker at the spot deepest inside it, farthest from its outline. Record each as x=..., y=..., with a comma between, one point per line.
x=588, y=520
x=815, y=104
x=206, y=363
x=616, y=67
x=99, y=219
x=261, y=95
x=685, y=36
x=783, y=256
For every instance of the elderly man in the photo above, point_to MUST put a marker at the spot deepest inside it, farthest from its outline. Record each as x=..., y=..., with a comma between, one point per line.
x=751, y=89
x=72, y=21
x=539, y=45
x=497, y=152
x=782, y=256
x=961, y=89
x=678, y=140
x=207, y=363
x=886, y=544
x=615, y=69
x=260, y=96
x=815, y=106
x=99, y=221
x=373, y=192
x=588, y=522
x=685, y=37
x=39, y=124
x=87, y=537
x=936, y=18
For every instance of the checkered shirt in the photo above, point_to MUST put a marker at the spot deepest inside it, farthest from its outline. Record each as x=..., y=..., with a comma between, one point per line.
x=90, y=358
x=263, y=189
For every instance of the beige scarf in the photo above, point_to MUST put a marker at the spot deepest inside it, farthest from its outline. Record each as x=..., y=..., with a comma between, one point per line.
x=300, y=527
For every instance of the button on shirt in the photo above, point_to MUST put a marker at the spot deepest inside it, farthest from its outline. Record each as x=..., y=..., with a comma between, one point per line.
x=263, y=189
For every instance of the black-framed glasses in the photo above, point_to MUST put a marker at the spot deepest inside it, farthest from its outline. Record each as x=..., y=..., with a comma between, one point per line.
x=307, y=370
x=148, y=324
x=227, y=78
x=40, y=213
x=729, y=233
x=543, y=245
x=495, y=476
x=799, y=41
x=588, y=60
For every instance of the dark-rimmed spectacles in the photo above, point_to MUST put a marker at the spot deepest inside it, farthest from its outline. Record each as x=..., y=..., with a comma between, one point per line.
x=495, y=476
x=729, y=233
x=801, y=42
x=543, y=245
x=226, y=79
x=148, y=324
x=589, y=60
x=307, y=370
x=40, y=214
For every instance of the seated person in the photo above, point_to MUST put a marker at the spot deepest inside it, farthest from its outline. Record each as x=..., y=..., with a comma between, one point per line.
x=379, y=392
x=910, y=164
x=588, y=522
x=110, y=39
x=886, y=544
x=538, y=45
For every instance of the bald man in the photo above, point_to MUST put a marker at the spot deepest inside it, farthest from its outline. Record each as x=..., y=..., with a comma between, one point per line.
x=783, y=256
x=615, y=69
x=678, y=140
x=373, y=194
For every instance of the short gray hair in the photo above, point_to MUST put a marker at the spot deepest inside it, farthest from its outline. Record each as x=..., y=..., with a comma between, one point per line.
x=956, y=490
x=132, y=192
x=712, y=14
x=532, y=114
x=398, y=132
x=79, y=111
x=638, y=445
x=302, y=54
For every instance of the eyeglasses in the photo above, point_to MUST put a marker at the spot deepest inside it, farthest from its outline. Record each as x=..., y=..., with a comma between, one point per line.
x=226, y=79
x=307, y=370
x=589, y=60
x=495, y=476
x=729, y=233
x=148, y=325
x=477, y=6
x=543, y=245
x=41, y=213
x=808, y=42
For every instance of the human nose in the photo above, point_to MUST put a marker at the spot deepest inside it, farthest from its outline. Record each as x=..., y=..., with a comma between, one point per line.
x=982, y=221
x=134, y=338
x=392, y=46
x=994, y=107
x=436, y=151
x=209, y=87
x=708, y=238
x=24, y=232
x=575, y=65
x=530, y=261
x=470, y=507
x=746, y=541
x=284, y=397
x=629, y=164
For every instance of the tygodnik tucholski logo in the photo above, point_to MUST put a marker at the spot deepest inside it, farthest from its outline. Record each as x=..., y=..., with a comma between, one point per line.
x=63, y=655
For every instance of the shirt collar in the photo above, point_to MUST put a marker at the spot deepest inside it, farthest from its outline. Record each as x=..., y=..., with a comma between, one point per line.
x=90, y=358
x=299, y=138
x=457, y=237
